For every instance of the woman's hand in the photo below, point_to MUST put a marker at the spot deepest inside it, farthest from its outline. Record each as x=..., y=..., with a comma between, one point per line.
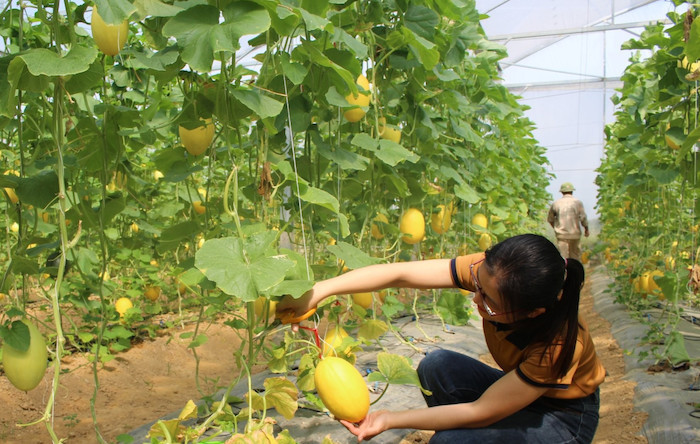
x=374, y=424
x=298, y=307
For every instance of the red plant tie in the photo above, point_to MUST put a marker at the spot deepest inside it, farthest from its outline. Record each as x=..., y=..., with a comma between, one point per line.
x=317, y=338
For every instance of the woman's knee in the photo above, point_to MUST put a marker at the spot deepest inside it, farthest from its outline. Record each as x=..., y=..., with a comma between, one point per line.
x=432, y=363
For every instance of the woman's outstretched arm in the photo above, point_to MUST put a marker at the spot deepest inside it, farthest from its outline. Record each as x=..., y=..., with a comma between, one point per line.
x=434, y=273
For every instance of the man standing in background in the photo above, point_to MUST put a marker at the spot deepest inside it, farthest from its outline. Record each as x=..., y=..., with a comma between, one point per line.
x=566, y=216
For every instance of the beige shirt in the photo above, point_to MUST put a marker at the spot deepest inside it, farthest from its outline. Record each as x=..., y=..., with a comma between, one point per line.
x=565, y=215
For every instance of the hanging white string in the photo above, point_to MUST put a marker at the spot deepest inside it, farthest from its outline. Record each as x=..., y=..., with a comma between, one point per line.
x=289, y=133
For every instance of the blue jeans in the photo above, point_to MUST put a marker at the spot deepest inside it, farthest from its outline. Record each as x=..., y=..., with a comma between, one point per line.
x=456, y=378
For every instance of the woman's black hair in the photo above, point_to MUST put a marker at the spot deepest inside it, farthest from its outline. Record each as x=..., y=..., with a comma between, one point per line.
x=531, y=274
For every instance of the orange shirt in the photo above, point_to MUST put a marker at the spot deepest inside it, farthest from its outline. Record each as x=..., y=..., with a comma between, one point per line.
x=514, y=350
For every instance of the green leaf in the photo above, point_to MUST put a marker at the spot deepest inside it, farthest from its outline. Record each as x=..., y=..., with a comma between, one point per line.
x=394, y=369
x=156, y=8
x=24, y=265
x=239, y=269
x=356, y=46
x=346, y=160
x=296, y=72
x=675, y=348
x=423, y=49
x=466, y=193
x=372, y=329
x=392, y=306
x=86, y=336
x=305, y=378
x=157, y=62
x=692, y=46
x=319, y=58
x=118, y=332
x=193, y=28
x=199, y=340
x=693, y=137
x=19, y=77
x=353, y=256
x=295, y=288
x=39, y=190
x=7, y=87
x=45, y=62
x=365, y=141
x=178, y=232
x=86, y=80
x=258, y=102
x=319, y=197
x=191, y=277
x=189, y=411
x=9, y=181
x=114, y=12
x=17, y=336
x=393, y=153
x=314, y=22
x=201, y=36
x=664, y=176
x=125, y=438
x=246, y=18
x=421, y=20
x=451, y=308
x=280, y=394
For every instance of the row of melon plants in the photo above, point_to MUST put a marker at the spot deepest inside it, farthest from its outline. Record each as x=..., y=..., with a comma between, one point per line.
x=187, y=158
x=649, y=182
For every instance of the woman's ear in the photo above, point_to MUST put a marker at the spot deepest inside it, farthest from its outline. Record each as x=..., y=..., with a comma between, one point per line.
x=561, y=293
x=536, y=312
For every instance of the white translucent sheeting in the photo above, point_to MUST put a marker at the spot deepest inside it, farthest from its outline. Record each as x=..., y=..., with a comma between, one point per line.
x=565, y=61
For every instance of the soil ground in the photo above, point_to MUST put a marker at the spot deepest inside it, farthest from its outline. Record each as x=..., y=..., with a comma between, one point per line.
x=157, y=377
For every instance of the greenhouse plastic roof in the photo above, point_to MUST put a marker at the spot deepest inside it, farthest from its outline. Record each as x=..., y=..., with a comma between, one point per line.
x=565, y=61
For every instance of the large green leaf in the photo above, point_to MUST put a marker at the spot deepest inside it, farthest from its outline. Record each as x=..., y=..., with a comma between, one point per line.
x=201, y=35
x=346, y=160
x=258, y=102
x=280, y=394
x=421, y=20
x=424, y=50
x=319, y=197
x=451, y=308
x=114, y=12
x=157, y=61
x=692, y=46
x=45, y=62
x=39, y=190
x=372, y=329
x=675, y=348
x=465, y=192
x=353, y=256
x=294, y=288
x=156, y=8
x=314, y=22
x=296, y=72
x=316, y=56
x=394, y=369
x=17, y=336
x=242, y=269
x=393, y=153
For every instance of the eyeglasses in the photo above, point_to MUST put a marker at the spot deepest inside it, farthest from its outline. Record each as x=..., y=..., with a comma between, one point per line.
x=484, y=296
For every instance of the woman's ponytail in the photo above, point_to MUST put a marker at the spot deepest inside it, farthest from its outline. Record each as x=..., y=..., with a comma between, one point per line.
x=567, y=313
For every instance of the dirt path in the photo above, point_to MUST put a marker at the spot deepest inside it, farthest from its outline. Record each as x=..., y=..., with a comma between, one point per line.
x=156, y=378
x=148, y=381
